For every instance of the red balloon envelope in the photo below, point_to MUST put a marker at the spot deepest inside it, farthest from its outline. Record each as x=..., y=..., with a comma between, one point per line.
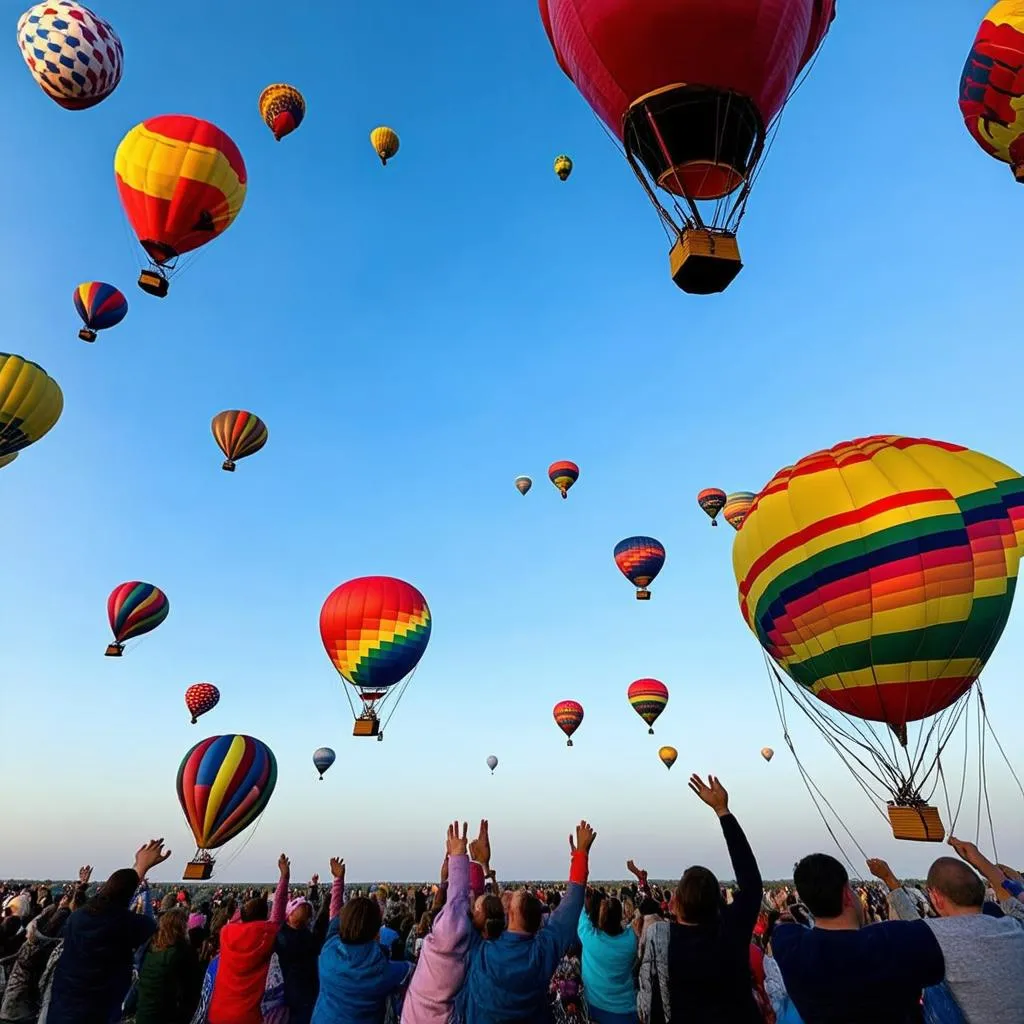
x=568, y=716
x=200, y=698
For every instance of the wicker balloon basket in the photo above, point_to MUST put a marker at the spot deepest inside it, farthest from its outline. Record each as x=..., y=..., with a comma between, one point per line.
x=366, y=727
x=920, y=824
x=704, y=262
x=198, y=870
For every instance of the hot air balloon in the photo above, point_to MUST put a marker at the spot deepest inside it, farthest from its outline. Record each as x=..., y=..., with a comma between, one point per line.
x=992, y=86
x=492, y=763
x=523, y=484
x=640, y=559
x=182, y=182
x=648, y=698
x=224, y=785
x=767, y=753
x=737, y=506
x=323, y=758
x=134, y=609
x=100, y=306
x=375, y=630
x=563, y=475
x=239, y=434
x=73, y=54
x=282, y=107
x=563, y=167
x=691, y=89
x=668, y=756
x=385, y=143
x=712, y=501
x=31, y=402
x=878, y=575
x=200, y=698
x=568, y=717
x=6, y=460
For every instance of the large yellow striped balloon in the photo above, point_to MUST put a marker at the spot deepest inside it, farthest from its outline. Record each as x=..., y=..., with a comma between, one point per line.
x=31, y=402
x=879, y=574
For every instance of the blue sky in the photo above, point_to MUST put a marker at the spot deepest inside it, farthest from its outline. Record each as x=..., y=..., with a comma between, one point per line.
x=417, y=336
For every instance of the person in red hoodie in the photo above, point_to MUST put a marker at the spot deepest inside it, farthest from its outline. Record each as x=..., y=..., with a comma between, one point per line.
x=245, y=951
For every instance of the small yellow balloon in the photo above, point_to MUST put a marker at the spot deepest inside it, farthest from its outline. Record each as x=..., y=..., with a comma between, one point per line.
x=563, y=166
x=385, y=142
x=668, y=756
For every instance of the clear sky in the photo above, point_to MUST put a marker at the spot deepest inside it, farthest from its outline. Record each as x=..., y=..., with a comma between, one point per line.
x=417, y=336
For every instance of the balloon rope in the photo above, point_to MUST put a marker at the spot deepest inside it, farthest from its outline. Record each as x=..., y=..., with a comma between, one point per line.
x=234, y=856
x=988, y=723
x=401, y=694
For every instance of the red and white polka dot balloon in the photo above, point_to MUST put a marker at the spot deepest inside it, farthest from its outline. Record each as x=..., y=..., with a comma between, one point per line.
x=200, y=698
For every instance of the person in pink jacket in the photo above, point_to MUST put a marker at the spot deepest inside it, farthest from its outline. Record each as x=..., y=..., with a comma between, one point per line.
x=441, y=968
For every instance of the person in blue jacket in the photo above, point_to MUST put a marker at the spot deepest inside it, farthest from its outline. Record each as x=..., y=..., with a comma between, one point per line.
x=508, y=977
x=609, y=955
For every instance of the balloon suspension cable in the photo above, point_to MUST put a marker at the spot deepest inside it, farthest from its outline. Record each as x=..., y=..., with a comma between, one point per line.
x=248, y=839
x=995, y=738
x=398, y=699
x=815, y=793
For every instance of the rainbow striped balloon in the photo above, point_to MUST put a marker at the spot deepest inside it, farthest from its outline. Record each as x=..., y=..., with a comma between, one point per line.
x=640, y=559
x=133, y=609
x=100, y=305
x=737, y=506
x=568, y=715
x=648, y=698
x=879, y=574
x=563, y=475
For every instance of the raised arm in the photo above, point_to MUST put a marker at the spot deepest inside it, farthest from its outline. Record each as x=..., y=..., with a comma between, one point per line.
x=746, y=903
x=337, y=891
x=452, y=924
x=1009, y=900
x=277, y=911
x=901, y=903
x=565, y=918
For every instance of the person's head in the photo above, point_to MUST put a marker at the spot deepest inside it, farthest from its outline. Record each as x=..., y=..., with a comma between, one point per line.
x=359, y=921
x=255, y=909
x=554, y=898
x=169, y=902
x=424, y=926
x=824, y=888
x=525, y=913
x=299, y=913
x=116, y=891
x=698, y=898
x=649, y=907
x=609, y=918
x=592, y=907
x=171, y=929
x=488, y=916
x=954, y=889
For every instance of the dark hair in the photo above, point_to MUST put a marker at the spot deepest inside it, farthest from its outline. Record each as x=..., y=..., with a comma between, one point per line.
x=359, y=921
x=957, y=882
x=494, y=917
x=533, y=913
x=554, y=899
x=649, y=905
x=593, y=906
x=116, y=892
x=698, y=897
x=426, y=923
x=255, y=909
x=609, y=918
x=820, y=881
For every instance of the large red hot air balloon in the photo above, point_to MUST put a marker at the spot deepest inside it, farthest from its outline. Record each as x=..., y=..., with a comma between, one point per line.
x=691, y=88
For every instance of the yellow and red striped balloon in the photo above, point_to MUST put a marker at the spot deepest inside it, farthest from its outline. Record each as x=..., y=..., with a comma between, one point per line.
x=648, y=698
x=238, y=434
x=568, y=715
x=879, y=574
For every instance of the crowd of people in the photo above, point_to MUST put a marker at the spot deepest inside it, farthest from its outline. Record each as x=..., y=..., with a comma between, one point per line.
x=467, y=950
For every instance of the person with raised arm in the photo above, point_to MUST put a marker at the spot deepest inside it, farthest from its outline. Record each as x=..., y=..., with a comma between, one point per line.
x=356, y=979
x=696, y=967
x=94, y=972
x=508, y=978
x=246, y=947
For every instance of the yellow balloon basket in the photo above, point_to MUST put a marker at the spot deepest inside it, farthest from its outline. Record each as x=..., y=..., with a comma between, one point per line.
x=153, y=283
x=643, y=595
x=198, y=870
x=366, y=727
x=703, y=261
x=920, y=824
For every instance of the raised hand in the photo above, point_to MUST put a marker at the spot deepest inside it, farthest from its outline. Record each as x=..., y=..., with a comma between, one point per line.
x=585, y=837
x=456, y=844
x=881, y=870
x=480, y=848
x=314, y=881
x=84, y=874
x=284, y=865
x=712, y=793
x=338, y=868
x=149, y=855
x=968, y=851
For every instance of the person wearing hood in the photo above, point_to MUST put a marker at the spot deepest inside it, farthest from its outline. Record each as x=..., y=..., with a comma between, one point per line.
x=246, y=947
x=508, y=977
x=22, y=998
x=297, y=950
x=356, y=978
x=94, y=972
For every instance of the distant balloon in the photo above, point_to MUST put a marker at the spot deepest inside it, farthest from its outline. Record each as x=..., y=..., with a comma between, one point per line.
x=568, y=717
x=385, y=142
x=523, y=484
x=668, y=756
x=100, y=306
x=648, y=698
x=563, y=166
x=74, y=55
x=134, y=609
x=640, y=559
x=282, y=107
x=563, y=475
x=239, y=434
x=31, y=402
x=737, y=506
x=323, y=758
x=712, y=501
x=492, y=763
x=767, y=753
x=200, y=698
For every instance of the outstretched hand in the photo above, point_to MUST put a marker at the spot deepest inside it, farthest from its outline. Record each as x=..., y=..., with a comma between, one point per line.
x=480, y=848
x=456, y=843
x=881, y=870
x=84, y=874
x=284, y=865
x=338, y=868
x=712, y=793
x=149, y=855
x=585, y=837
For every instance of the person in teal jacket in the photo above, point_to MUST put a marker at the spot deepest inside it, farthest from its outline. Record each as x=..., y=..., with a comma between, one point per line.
x=609, y=955
x=508, y=977
x=356, y=978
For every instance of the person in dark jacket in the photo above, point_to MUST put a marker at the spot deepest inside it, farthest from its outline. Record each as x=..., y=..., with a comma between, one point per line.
x=168, y=988
x=298, y=950
x=94, y=972
x=697, y=968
